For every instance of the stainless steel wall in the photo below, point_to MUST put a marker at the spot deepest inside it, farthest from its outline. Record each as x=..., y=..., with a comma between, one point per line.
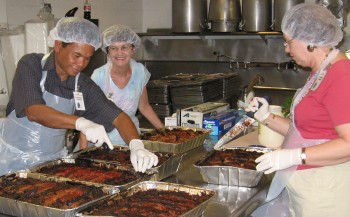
x=171, y=54
x=263, y=54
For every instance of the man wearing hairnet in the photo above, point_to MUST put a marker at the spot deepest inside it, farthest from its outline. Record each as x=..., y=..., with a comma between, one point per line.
x=312, y=177
x=50, y=95
x=123, y=80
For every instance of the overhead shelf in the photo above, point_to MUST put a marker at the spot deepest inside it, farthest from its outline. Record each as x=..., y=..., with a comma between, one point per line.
x=155, y=36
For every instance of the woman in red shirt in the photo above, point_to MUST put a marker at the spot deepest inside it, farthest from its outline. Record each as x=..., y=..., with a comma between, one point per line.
x=313, y=167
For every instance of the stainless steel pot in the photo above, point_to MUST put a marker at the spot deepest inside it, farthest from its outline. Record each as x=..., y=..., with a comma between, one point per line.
x=224, y=15
x=280, y=8
x=189, y=15
x=256, y=15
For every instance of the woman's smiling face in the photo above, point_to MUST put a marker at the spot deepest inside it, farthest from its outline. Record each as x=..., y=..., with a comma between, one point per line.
x=120, y=53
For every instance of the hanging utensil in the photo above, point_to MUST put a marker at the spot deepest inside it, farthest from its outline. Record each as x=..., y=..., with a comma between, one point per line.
x=71, y=12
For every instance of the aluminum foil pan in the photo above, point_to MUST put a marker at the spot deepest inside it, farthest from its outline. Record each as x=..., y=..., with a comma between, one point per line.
x=143, y=186
x=177, y=148
x=18, y=208
x=163, y=170
x=140, y=177
x=232, y=176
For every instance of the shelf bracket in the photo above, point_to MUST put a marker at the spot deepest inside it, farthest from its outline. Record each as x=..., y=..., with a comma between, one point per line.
x=154, y=40
x=264, y=38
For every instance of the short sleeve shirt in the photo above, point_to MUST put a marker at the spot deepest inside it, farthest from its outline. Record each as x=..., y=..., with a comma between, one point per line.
x=26, y=91
x=320, y=111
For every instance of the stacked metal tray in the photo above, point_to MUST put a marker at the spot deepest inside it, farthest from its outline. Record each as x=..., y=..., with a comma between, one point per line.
x=159, y=96
x=144, y=186
x=231, y=82
x=70, y=160
x=194, y=92
x=177, y=148
x=231, y=176
x=16, y=207
x=159, y=172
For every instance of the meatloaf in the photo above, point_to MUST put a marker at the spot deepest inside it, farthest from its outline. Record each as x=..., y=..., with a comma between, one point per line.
x=60, y=195
x=172, y=136
x=153, y=202
x=121, y=156
x=85, y=171
x=232, y=157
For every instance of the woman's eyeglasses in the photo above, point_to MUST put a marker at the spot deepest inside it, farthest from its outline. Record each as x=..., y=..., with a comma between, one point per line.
x=124, y=48
x=286, y=43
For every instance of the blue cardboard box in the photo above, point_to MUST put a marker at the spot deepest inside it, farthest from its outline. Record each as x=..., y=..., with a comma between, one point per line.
x=220, y=123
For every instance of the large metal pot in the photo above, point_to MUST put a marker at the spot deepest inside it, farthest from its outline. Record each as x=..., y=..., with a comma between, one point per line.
x=189, y=15
x=256, y=15
x=224, y=15
x=280, y=8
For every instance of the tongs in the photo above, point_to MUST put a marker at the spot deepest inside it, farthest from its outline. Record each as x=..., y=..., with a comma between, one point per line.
x=238, y=128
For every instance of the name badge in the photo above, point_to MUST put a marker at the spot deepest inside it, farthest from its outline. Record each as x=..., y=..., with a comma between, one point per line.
x=79, y=101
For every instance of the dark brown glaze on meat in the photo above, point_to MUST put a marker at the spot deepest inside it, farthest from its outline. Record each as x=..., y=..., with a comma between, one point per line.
x=48, y=193
x=172, y=136
x=87, y=172
x=121, y=156
x=233, y=157
x=155, y=203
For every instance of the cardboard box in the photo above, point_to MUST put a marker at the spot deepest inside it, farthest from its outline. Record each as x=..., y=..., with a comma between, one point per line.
x=220, y=123
x=194, y=116
x=170, y=121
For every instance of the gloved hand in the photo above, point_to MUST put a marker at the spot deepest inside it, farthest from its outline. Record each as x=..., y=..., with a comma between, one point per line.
x=141, y=158
x=278, y=160
x=260, y=113
x=95, y=133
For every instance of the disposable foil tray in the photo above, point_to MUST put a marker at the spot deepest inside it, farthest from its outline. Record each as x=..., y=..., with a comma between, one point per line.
x=70, y=160
x=177, y=148
x=14, y=207
x=232, y=176
x=147, y=185
x=164, y=169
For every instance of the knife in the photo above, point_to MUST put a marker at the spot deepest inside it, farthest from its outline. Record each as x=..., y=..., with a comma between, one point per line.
x=239, y=127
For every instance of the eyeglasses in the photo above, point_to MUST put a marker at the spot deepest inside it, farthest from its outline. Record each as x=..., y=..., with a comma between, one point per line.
x=124, y=48
x=286, y=43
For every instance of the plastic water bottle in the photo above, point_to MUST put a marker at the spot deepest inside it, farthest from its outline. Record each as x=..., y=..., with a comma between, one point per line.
x=268, y=137
x=87, y=9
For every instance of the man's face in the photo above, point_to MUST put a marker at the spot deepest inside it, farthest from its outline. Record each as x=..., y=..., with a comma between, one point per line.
x=72, y=58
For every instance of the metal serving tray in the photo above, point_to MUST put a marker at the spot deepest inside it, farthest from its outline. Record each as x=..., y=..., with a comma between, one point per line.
x=24, y=209
x=232, y=176
x=147, y=185
x=161, y=171
x=140, y=177
x=177, y=148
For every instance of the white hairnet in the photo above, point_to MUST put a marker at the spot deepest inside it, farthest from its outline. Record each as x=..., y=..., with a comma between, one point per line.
x=312, y=24
x=119, y=33
x=75, y=30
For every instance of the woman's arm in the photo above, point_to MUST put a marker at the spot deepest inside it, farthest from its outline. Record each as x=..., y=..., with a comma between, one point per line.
x=147, y=110
x=334, y=152
x=277, y=123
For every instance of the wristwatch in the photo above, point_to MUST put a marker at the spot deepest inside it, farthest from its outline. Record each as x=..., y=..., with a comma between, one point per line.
x=303, y=156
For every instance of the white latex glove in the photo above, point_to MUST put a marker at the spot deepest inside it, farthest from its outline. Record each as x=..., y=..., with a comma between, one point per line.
x=141, y=158
x=278, y=160
x=260, y=113
x=95, y=133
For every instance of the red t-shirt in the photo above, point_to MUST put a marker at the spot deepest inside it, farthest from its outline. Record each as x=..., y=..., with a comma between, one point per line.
x=320, y=111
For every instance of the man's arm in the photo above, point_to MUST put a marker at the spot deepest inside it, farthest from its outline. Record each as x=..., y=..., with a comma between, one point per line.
x=50, y=117
x=125, y=127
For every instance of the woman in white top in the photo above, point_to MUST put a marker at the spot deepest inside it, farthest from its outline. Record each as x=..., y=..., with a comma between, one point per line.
x=124, y=80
